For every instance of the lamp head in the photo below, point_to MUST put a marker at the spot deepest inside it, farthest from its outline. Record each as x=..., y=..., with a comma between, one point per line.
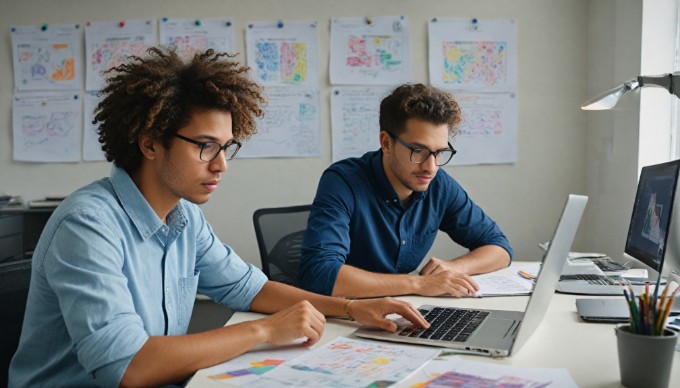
x=611, y=97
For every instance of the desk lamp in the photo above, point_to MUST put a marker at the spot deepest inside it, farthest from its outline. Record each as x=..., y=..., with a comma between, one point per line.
x=610, y=98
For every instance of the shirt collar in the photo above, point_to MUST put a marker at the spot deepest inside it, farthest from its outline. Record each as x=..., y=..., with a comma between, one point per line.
x=137, y=207
x=385, y=190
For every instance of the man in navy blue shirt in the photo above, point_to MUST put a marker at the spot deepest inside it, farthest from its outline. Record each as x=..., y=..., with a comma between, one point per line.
x=374, y=218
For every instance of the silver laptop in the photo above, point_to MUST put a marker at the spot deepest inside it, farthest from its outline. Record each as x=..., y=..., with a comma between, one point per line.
x=610, y=310
x=495, y=333
x=603, y=285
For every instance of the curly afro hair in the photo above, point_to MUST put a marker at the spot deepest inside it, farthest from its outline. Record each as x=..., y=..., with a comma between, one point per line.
x=155, y=95
x=418, y=101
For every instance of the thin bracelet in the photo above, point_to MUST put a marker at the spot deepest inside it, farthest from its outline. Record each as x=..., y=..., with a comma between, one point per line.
x=347, y=303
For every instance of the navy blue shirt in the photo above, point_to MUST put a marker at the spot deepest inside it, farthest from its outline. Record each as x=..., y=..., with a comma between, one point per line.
x=358, y=219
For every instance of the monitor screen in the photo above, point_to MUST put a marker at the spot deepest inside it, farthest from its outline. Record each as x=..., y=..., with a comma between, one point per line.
x=652, y=214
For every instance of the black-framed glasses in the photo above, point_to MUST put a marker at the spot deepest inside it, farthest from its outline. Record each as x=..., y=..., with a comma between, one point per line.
x=210, y=149
x=420, y=155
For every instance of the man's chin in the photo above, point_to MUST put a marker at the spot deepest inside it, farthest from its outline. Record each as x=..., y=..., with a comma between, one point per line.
x=198, y=200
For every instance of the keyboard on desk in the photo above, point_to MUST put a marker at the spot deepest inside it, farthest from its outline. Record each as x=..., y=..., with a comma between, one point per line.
x=596, y=279
x=447, y=324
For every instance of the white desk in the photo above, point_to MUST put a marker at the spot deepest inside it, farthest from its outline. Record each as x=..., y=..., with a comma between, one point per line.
x=587, y=350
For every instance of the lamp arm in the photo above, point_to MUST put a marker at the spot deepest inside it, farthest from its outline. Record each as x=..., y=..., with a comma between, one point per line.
x=670, y=82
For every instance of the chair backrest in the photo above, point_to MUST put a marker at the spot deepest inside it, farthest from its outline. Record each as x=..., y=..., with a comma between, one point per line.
x=15, y=277
x=279, y=234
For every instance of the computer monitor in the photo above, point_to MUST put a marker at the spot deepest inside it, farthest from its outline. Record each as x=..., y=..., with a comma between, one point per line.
x=653, y=231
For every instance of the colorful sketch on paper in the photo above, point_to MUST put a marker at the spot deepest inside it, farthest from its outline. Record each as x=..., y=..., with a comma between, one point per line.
x=187, y=44
x=300, y=135
x=113, y=52
x=374, y=53
x=46, y=63
x=354, y=120
x=350, y=363
x=474, y=63
x=284, y=62
x=290, y=126
x=481, y=122
x=256, y=368
x=359, y=127
x=456, y=379
x=47, y=129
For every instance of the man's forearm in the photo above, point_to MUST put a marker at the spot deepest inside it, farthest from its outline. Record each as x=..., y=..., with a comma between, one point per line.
x=275, y=296
x=480, y=260
x=188, y=353
x=358, y=283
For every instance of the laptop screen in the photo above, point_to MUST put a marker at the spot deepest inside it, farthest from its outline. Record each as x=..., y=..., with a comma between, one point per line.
x=652, y=212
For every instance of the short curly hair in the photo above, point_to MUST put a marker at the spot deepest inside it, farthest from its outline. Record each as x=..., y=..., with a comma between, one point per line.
x=418, y=101
x=156, y=95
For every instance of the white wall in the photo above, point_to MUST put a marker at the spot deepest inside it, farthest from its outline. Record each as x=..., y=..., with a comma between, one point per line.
x=626, y=38
x=554, y=155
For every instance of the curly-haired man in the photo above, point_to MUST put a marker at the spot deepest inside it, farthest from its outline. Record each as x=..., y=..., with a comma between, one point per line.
x=118, y=265
x=374, y=218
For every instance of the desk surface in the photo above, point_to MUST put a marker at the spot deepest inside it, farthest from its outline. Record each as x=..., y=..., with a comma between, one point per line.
x=587, y=350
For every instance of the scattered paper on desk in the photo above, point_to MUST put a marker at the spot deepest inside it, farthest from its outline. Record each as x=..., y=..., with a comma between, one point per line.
x=456, y=372
x=506, y=281
x=347, y=362
x=248, y=368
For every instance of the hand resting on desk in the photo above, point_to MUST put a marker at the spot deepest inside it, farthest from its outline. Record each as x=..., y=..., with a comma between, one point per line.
x=438, y=277
x=300, y=314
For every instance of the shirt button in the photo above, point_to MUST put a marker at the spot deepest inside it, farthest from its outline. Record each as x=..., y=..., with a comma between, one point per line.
x=403, y=242
x=167, y=289
x=394, y=200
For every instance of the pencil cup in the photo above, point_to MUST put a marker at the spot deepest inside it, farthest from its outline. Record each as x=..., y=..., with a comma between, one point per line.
x=645, y=360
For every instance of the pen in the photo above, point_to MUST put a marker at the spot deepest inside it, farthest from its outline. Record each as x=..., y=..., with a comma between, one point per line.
x=633, y=323
x=526, y=275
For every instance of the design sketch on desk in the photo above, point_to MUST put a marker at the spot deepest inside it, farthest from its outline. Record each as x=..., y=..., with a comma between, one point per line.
x=351, y=363
x=456, y=372
x=248, y=368
x=256, y=368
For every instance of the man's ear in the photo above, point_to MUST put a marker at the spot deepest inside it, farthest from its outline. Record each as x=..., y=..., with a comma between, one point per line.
x=385, y=141
x=148, y=146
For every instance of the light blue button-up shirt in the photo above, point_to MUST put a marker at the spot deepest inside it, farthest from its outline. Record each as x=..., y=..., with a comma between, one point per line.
x=108, y=273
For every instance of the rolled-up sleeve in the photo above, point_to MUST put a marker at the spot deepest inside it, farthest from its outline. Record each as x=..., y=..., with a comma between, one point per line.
x=83, y=268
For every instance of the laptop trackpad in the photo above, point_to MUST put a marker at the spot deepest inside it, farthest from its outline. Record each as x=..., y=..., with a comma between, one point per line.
x=493, y=330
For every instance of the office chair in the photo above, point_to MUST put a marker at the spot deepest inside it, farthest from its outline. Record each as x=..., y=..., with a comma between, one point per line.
x=15, y=277
x=279, y=234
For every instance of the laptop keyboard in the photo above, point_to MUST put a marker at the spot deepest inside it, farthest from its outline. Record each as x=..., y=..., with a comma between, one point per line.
x=595, y=279
x=447, y=324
